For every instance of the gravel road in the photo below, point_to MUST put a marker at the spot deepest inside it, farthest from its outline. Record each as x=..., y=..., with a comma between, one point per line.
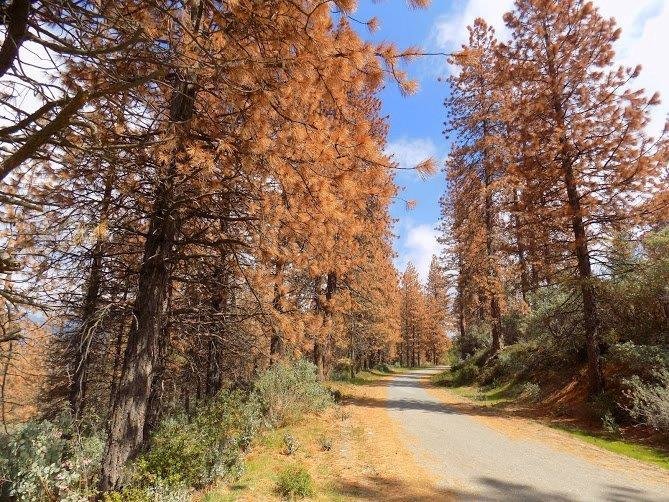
x=475, y=462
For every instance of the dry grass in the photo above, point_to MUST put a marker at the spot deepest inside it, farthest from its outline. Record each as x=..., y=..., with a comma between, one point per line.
x=368, y=458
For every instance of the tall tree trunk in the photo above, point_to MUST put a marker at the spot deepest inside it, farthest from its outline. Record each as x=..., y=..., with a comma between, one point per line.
x=141, y=353
x=81, y=343
x=588, y=295
x=276, y=341
x=351, y=353
x=321, y=347
x=495, y=311
x=155, y=405
x=142, y=350
x=581, y=251
x=220, y=304
x=520, y=249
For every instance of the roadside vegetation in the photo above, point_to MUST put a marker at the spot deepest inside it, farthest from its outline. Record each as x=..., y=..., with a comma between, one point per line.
x=56, y=460
x=543, y=361
x=555, y=223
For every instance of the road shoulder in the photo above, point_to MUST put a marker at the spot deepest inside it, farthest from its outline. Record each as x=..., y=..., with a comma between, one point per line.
x=532, y=430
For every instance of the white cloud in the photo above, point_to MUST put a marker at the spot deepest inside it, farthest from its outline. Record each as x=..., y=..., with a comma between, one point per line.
x=418, y=246
x=408, y=152
x=644, y=39
x=450, y=30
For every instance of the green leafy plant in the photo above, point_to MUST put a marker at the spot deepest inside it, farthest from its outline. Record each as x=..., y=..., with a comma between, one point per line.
x=650, y=400
x=46, y=460
x=610, y=425
x=295, y=482
x=194, y=452
x=285, y=392
x=325, y=443
x=529, y=391
x=290, y=444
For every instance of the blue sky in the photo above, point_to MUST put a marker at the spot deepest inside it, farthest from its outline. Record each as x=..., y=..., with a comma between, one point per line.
x=416, y=122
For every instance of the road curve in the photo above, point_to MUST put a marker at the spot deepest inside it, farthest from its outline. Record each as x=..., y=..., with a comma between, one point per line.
x=474, y=462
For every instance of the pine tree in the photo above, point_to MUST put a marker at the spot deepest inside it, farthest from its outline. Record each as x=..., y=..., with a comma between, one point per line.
x=584, y=136
x=475, y=169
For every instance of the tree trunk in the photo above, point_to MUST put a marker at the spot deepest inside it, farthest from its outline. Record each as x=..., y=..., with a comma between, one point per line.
x=142, y=350
x=220, y=305
x=319, y=360
x=83, y=337
x=276, y=341
x=495, y=311
x=588, y=295
x=141, y=354
x=520, y=249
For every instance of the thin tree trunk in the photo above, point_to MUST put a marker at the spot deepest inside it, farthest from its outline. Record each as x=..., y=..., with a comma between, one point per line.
x=590, y=314
x=83, y=337
x=276, y=341
x=520, y=249
x=495, y=311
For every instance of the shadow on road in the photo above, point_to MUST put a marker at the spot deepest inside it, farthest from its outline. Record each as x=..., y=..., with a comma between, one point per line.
x=493, y=490
x=417, y=380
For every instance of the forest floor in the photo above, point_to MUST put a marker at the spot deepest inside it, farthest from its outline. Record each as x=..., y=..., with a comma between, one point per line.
x=368, y=459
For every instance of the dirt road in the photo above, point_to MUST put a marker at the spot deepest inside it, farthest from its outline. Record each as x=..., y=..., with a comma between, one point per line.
x=478, y=459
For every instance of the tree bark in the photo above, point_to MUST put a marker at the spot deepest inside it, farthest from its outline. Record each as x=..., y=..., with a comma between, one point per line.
x=495, y=311
x=520, y=250
x=17, y=29
x=276, y=341
x=141, y=356
x=581, y=251
x=81, y=343
x=141, y=353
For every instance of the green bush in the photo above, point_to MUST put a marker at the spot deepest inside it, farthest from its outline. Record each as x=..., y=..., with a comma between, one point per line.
x=529, y=391
x=325, y=443
x=290, y=444
x=650, y=401
x=295, y=482
x=158, y=492
x=644, y=360
x=476, y=338
x=192, y=453
x=45, y=460
x=287, y=391
x=383, y=368
x=342, y=370
x=462, y=373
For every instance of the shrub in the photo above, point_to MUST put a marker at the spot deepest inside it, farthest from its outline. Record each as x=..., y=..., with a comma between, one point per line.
x=475, y=339
x=287, y=391
x=159, y=492
x=644, y=360
x=342, y=370
x=295, y=482
x=530, y=391
x=194, y=453
x=650, y=401
x=383, y=368
x=463, y=374
x=609, y=424
x=49, y=460
x=325, y=443
x=290, y=444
